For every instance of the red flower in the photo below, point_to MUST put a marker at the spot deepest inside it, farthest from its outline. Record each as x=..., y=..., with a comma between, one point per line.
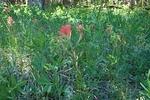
x=65, y=30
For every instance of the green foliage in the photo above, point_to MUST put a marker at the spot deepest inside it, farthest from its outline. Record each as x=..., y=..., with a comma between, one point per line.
x=108, y=63
x=146, y=87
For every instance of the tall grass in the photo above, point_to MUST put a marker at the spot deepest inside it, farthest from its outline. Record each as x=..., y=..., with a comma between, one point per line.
x=107, y=64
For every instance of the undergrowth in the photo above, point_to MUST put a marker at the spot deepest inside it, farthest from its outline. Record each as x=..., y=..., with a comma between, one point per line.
x=109, y=63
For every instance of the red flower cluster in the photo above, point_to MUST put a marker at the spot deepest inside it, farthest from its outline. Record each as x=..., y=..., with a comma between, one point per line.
x=65, y=30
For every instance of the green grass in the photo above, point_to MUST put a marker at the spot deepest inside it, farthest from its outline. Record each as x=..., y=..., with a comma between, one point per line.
x=109, y=63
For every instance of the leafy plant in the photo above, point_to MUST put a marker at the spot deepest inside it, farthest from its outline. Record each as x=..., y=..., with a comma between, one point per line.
x=146, y=86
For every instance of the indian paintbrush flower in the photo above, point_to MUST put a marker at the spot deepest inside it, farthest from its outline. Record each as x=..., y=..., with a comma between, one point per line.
x=65, y=30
